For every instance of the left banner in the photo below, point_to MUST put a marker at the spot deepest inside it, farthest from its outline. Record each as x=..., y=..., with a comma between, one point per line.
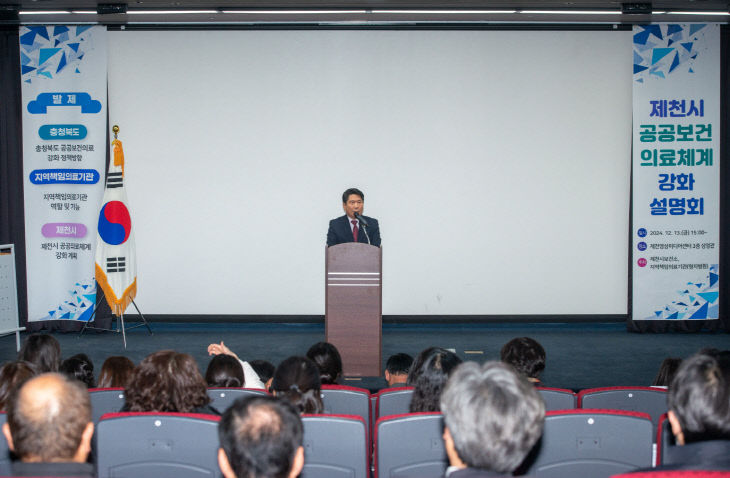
x=64, y=88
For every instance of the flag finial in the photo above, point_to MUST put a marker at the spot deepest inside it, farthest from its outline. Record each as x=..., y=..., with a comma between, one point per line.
x=115, y=129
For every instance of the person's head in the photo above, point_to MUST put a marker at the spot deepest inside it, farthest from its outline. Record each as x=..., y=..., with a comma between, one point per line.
x=296, y=379
x=699, y=400
x=49, y=420
x=43, y=350
x=666, y=372
x=81, y=368
x=492, y=416
x=428, y=375
x=13, y=375
x=115, y=372
x=328, y=361
x=260, y=437
x=265, y=371
x=166, y=381
x=353, y=201
x=526, y=355
x=396, y=368
x=224, y=371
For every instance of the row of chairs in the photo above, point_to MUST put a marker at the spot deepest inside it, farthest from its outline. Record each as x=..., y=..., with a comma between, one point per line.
x=340, y=399
x=575, y=443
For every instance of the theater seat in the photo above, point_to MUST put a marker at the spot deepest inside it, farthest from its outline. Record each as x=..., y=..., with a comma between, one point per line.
x=344, y=400
x=222, y=398
x=393, y=401
x=557, y=398
x=157, y=445
x=335, y=446
x=410, y=445
x=649, y=400
x=676, y=474
x=4, y=450
x=591, y=443
x=105, y=400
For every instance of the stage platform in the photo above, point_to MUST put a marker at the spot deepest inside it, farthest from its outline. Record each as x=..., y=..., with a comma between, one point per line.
x=579, y=355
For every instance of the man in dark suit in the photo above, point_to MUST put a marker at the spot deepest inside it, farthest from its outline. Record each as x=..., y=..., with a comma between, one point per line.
x=492, y=418
x=353, y=227
x=49, y=427
x=699, y=413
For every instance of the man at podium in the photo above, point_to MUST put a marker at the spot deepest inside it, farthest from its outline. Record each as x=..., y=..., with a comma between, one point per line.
x=353, y=226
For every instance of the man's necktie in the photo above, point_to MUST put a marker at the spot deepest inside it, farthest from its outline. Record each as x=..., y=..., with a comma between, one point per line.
x=354, y=229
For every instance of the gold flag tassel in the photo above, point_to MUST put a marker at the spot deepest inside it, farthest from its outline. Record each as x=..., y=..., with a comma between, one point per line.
x=117, y=305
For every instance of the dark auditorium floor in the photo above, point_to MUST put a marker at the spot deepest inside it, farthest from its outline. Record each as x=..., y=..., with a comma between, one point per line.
x=579, y=355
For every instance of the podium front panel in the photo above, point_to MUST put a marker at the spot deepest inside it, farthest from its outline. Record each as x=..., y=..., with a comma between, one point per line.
x=354, y=306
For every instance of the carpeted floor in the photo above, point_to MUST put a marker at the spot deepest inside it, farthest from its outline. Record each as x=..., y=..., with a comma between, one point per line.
x=579, y=355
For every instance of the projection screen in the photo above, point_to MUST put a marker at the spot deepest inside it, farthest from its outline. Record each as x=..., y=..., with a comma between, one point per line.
x=497, y=163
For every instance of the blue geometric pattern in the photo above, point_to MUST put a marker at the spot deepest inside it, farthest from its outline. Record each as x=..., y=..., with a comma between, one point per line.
x=78, y=306
x=695, y=301
x=47, y=51
x=662, y=49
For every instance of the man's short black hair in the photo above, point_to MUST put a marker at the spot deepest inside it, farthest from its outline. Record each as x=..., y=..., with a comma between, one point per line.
x=399, y=364
x=350, y=191
x=524, y=354
x=699, y=395
x=260, y=436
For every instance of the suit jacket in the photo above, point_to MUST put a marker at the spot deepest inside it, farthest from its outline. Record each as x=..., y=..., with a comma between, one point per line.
x=78, y=470
x=340, y=231
x=474, y=473
x=702, y=455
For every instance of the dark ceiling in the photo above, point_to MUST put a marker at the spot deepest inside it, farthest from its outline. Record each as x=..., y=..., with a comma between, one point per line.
x=370, y=11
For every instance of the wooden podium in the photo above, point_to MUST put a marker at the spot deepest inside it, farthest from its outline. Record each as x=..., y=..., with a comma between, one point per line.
x=353, y=306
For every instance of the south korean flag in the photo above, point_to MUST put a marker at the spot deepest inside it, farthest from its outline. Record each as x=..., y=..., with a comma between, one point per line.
x=116, y=261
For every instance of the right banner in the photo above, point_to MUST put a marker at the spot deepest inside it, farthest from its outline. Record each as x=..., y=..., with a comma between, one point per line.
x=675, y=174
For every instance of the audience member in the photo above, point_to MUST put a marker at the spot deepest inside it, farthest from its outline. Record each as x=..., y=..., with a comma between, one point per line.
x=492, y=418
x=167, y=381
x=260, y=437
x=526, y=355
x=251, y=378
x=13, y=375
x=43, y=350
x=265, y=371
x=328, y=361
x=666, y=372
x=115, y=372
x=296, y=379
x=224, y=371
x=428, y=375
x=396, y=369
x=49, y=427
x=699, y=414
x=81, y=368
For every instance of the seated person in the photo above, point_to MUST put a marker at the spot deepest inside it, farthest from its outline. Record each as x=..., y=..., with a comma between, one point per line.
x=698, y=399
x=667, y=371
x=265, y=371
x=492, y=419
x=260, y=437
x=296, y=379
x=428, y=375
x=43, y=351
x=115, y=372
x=167, y=381
x=328, y=361
x=224, y=371
x=13, y=375
x=396, y=369
x=49, y=427
x=526, y=355
x=81, y=368
x=250, y=377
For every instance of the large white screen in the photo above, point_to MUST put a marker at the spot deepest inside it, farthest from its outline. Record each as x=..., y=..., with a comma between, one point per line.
x=497, y=163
